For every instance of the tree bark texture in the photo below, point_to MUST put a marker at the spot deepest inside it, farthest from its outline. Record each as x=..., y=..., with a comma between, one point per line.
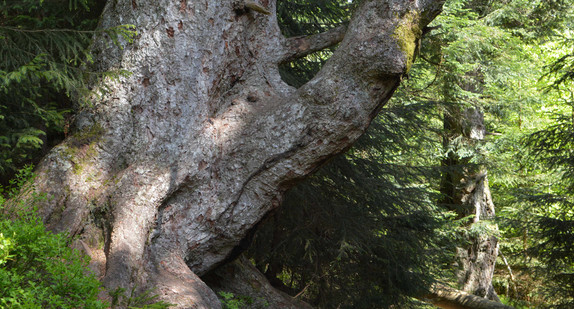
x=466, y=191
x=171, y=166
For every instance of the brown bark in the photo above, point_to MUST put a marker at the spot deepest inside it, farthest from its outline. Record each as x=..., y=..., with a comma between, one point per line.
x=302, y=46
x=171, y=166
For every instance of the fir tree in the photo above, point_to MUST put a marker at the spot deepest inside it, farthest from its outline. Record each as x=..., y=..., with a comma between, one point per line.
x=44, y=68
x=362, y=231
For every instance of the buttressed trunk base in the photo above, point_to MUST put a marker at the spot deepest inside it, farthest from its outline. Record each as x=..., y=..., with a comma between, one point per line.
x=173, y=164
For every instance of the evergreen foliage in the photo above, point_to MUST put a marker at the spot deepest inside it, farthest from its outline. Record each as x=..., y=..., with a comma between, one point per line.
x=563, y=69
x=491, y=55
x=527, y=19
x=44, y=67
x=553, y=222
x=363, y=231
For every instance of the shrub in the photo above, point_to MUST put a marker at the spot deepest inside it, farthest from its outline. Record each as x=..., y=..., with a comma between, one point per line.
x=37, y=268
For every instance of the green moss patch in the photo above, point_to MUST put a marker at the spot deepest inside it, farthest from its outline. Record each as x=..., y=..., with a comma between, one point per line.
x=81, y=146
x=408, y=33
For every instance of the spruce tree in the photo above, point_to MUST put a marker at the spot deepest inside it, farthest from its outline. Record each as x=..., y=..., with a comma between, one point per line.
x=362, y=231
x=44, y=70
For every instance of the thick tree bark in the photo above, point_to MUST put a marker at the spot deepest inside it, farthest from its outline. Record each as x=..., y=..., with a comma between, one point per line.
x=466, y=191
x=172, y=165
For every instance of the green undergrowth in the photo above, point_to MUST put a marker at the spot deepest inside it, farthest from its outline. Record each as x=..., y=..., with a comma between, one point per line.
x=145, y=300
x=232, y=301
x=38, y=269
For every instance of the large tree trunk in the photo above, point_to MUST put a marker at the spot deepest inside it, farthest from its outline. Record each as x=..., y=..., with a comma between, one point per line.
x=174, y=164
x=466, y=191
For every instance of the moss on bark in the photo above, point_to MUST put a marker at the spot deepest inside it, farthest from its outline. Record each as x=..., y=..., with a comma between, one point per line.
x=408, y=33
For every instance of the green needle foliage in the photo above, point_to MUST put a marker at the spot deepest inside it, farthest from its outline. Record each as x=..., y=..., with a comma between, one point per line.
x=552, y=226
x=363, y=232
x=44, y=67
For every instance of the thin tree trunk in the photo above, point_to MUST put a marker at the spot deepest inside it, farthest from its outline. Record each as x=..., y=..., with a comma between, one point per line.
x=171, y=166
x=466, y=191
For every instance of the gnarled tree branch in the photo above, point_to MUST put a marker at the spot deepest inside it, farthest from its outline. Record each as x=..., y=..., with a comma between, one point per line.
x=298, y=47
x=176, y=162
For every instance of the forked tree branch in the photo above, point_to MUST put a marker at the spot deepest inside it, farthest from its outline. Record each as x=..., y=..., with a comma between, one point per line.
x=298, y=47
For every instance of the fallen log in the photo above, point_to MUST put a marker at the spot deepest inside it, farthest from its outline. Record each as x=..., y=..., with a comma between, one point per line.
x=446, y=297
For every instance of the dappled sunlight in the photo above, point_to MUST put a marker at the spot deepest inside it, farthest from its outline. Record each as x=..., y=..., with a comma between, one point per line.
x=228, y=125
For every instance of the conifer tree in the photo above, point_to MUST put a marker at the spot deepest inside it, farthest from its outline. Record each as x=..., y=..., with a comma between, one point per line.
x=44, y=67
x=553, y=224
x=172, y=165
x=362, y=231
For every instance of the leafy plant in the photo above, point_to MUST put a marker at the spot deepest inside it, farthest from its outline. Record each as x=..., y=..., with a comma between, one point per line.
x=37, y=268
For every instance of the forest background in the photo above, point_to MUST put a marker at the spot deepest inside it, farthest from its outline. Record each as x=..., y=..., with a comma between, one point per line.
x=375, y=226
